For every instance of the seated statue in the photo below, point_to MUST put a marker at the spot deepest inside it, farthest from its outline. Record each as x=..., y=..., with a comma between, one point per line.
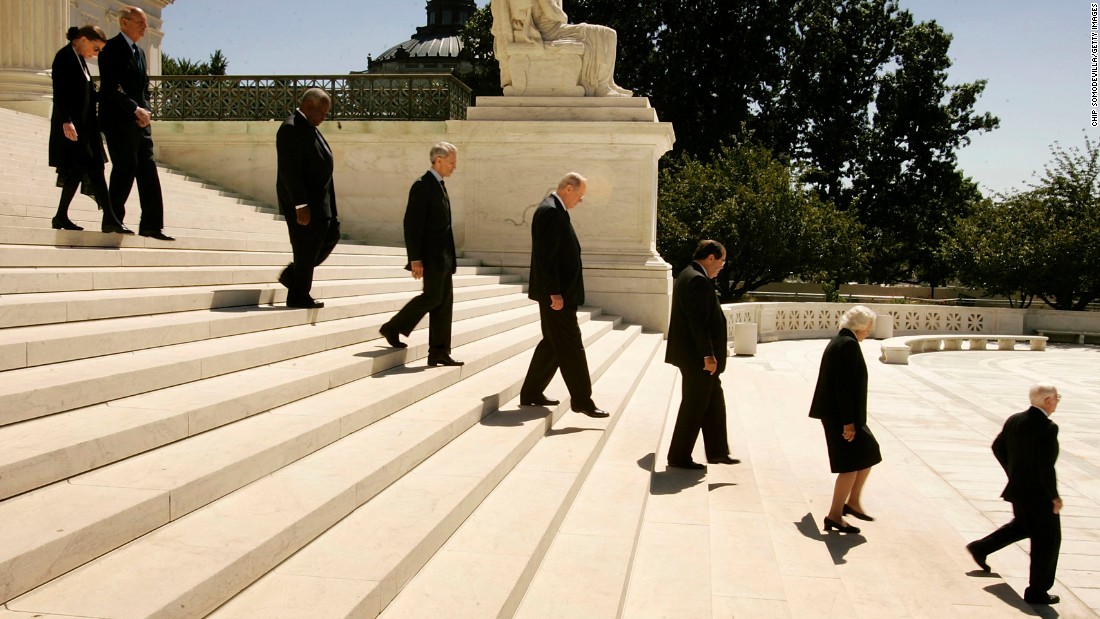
x=538, y=51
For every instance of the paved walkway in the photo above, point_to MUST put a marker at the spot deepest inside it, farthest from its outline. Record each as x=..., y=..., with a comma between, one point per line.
x=937, y=488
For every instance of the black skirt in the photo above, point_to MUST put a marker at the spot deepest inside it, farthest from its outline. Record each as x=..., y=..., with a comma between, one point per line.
x=847, y=457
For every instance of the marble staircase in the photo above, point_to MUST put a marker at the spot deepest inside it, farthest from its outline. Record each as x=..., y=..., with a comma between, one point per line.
x=176, y=442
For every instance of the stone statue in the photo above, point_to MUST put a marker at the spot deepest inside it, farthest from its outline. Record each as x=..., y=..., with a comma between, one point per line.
x=541, y=54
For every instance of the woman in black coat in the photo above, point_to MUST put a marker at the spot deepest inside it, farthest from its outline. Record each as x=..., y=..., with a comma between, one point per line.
x=840, y=402
x=76, y=148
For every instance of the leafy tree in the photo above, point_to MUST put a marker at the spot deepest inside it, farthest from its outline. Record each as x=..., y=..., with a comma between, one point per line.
x=1042, y=242
x=477, y=48
x=217, y=64
x=748, y=200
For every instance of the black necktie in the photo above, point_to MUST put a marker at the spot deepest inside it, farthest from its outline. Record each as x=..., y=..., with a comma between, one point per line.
x=137, y=58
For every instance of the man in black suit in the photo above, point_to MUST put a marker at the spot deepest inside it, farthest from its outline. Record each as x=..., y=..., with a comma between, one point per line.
x=307, y=197
x=124, y=118
x=1027, y=448
x=430, y=245
x=697, y=345
x=557, y=283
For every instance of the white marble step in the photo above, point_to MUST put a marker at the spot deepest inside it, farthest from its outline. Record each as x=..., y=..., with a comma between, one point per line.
x=48, y=256
x=55, y=343
x=28, y=393
x=205, y=239
x=89, y=219
x=41, y=451
x=591, y=555
x=15, y=280
x=42, y=181
x=200, y=560
x=485, y=567
x=57, y=307
x=671, y=572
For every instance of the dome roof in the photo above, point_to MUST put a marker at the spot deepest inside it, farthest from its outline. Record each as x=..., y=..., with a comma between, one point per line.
x=426, y=47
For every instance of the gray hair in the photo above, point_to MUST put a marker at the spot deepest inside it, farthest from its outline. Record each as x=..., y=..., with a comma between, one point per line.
x=858, y=318
x=572, y=179
x=129, y=12
x=1040, y=392
x=313, y=95
x=441, y=150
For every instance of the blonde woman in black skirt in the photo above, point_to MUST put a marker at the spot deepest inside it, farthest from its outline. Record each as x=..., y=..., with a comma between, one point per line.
x=840, y=402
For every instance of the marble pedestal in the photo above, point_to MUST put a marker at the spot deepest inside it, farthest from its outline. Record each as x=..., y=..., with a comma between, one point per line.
x=514, y=151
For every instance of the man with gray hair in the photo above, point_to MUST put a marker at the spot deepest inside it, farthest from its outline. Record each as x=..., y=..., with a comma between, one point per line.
x=430, y=245
x=307, y=196
x=1027, y=448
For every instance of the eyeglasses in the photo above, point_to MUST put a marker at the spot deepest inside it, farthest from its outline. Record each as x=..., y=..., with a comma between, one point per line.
x=97, y=48
x=1057, y=397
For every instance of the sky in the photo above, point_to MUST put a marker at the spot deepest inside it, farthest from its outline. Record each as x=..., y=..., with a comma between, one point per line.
x=1035, y=55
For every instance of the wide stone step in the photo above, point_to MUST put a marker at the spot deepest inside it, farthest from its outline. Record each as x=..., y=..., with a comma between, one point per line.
x=40, y=256
x=179, y=224
x=44, y=344
x=197, y=562
x=487, y=564
x=57, y=307
x=591, y=555
x=33, y=392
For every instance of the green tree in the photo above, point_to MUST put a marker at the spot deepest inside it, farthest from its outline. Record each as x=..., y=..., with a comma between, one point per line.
x=477, y=48
x=217, y=64
x=748, y=200
x=1043, y=242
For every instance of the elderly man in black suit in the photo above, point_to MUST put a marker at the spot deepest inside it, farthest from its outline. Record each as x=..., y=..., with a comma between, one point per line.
x=307, y=197
x=124, y=117
x=557, y=283
x=430, y=245
x=1027, y=449
x=697, y=345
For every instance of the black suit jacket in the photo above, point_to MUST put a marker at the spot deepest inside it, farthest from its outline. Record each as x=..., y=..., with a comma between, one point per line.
x=841, y=394
x=697, y=326
x=74, y=100
x=305, y=170
x=428, y=234
x=555, y=255
x=124, y=86
x=1027, y=448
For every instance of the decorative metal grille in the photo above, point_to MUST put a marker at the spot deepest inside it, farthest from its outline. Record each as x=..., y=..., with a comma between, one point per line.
x=354, y=97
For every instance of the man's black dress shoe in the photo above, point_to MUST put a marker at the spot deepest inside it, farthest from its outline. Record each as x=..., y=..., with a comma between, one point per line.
x=979, y=558
x=592, y=412
x=839, y=526
x=284, y=277
x=304, y=303
x=723, y=460
x=387, y=331
x=116, y=229
x=156, y=234
x=848, y=511
x=690, y=464
x=539, y=400
x=1047, y=598
x=64, y=224
x=443, y=360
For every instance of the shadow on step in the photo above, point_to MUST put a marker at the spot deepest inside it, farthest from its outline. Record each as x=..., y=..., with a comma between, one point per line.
x=512, y=417
x=838, y=544
x=1005, y=593
x=673, y=480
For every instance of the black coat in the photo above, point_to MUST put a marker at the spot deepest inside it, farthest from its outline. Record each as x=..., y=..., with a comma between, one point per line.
x=556, y=266
x=1027, y=449
x=697, y=325
x=428, y=234
x=124, y=86
x=841, y=394
x=74, y=100
x=304, y=173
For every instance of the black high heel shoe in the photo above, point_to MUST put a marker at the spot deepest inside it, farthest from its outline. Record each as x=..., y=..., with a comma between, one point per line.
x=64, y=224
x=839, y=526
x=849, y=511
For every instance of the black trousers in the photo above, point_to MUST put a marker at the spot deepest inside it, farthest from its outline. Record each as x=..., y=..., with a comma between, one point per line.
x=1035, y=520
x=702, y=407
x=437, y=301
x=311, y=244
x=561, y=348
x=131, y=151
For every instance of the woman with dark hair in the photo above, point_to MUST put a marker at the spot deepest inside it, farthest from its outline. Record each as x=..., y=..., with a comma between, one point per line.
x=840, y=402
x=76, y=148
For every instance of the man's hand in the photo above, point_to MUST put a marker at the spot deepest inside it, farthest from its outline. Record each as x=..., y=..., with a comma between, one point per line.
x=850, y=432
x=1058, y=505
x=710, y=365
x=69, y=130
x=556, y=302
x=143, y=116
x=417, y=269
x=302, y=215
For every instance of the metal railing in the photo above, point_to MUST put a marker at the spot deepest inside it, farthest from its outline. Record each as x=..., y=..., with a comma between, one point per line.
x=273, y=97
